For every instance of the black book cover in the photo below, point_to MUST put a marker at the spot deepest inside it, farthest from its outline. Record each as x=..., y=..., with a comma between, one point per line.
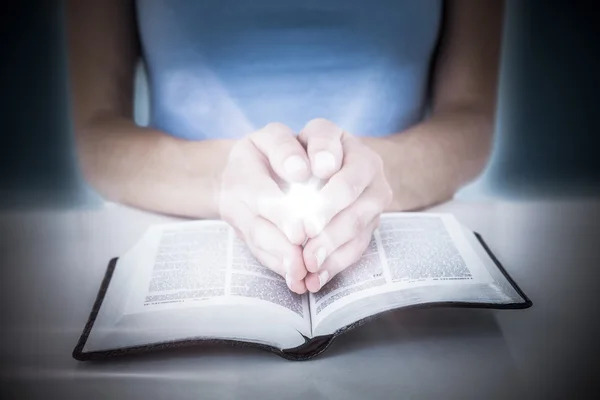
x=311, y=347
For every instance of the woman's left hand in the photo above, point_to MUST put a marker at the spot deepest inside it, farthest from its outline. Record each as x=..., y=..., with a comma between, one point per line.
x=355, y=194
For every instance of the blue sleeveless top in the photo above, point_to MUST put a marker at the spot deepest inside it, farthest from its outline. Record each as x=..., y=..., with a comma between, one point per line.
x=224, y=68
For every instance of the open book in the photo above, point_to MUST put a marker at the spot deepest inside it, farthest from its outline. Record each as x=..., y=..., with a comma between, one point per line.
x=190, y=282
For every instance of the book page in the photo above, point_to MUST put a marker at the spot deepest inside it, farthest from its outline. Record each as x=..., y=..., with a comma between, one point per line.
x=197, y=263
x=251, y=279
x=421, y=248
x=407, y=250
x=366, y=273
x=190, y=265
x=188, y=280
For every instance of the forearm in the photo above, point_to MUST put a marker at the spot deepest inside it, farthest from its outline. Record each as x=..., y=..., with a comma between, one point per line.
x=429, y=162
x=151, y=170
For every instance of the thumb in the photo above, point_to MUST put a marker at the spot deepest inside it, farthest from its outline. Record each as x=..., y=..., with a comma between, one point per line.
x=323, y=142
x=280, y=146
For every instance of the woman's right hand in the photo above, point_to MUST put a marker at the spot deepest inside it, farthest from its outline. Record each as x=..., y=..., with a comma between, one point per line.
x=252, y=201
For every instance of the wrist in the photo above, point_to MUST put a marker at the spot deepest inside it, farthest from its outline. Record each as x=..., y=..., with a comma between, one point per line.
x=389, y=150
x=205, y=168
x=216, y=182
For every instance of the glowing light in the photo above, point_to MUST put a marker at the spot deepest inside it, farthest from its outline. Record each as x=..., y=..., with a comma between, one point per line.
x=303, y=199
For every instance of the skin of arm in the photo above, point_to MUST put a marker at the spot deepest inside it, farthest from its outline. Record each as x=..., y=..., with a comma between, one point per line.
x=125, y=163
x=430, y=161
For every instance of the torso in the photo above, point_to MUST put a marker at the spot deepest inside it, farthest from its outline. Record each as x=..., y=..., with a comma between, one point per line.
x=224, y=68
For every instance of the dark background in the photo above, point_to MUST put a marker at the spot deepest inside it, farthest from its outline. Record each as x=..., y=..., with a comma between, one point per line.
x=548, y=113
x=36, y=157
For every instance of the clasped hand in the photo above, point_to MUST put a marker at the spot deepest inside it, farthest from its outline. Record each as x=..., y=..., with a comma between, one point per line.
x=307, y=250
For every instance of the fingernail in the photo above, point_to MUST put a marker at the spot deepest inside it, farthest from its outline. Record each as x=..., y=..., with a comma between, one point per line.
x=320, y=256
x=294, y=164
x=323, y=278
x=288, y=280
x=324, y=162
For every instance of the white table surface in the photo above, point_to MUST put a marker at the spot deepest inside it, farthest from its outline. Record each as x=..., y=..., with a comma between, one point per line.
x=53, y=263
